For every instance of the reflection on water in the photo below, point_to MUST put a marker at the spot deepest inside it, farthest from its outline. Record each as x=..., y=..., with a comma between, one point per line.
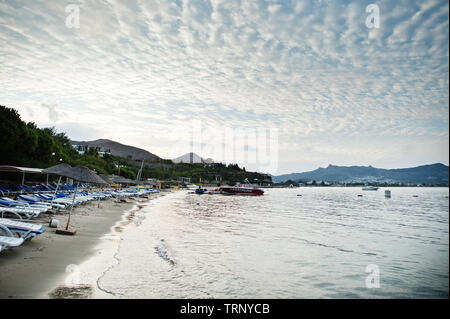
x=281, y=245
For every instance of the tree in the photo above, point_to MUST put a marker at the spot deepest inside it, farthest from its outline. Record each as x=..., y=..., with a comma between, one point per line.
x=17, y=140
x=92, y=151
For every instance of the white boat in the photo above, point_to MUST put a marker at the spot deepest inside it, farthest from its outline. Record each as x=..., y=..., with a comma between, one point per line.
x=369, y=188
x=191, y=186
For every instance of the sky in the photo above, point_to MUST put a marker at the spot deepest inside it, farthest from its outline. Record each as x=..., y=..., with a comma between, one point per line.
x=277, y=86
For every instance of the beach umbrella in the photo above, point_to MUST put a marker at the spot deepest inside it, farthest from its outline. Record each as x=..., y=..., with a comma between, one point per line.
x=79, y=173
x=106, y=179
x=122, y=180
x=84, y=174
x=61, y=170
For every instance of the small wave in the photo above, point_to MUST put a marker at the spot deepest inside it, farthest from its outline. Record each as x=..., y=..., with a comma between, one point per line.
x=161, y=251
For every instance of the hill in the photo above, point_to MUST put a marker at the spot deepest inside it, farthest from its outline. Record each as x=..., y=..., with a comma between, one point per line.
x=121, y=150
x=186, y=158
x=425, y=174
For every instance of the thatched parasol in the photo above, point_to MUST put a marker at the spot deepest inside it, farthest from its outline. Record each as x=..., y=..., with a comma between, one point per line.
x=84, y=174
x=122, y=180
x=106, y=179
x=78, y=173
x=61, y=170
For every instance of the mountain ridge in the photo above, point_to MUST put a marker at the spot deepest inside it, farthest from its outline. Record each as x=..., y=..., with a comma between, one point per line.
x=119, y=149
x=195, y=158
x=436, y=173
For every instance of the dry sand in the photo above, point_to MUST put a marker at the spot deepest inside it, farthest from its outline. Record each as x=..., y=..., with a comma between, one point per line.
x=36, y=268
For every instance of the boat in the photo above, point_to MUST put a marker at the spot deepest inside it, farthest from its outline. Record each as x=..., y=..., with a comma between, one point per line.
x=191, y=186
x=216, y=191
x=246, y=189
x=241, y=190
x=369, y=188
x=200, y=190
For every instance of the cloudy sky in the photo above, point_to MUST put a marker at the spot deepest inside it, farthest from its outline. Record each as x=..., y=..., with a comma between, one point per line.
x=323, y=84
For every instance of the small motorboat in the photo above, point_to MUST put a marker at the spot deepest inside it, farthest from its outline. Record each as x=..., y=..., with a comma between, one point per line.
x=246, y=191
x=370, y=188
x=216, y=191
x=200, y=190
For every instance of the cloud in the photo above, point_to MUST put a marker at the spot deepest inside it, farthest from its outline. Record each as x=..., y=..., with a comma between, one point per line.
x=136, y=70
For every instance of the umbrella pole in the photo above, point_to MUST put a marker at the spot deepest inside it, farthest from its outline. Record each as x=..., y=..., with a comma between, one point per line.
x=54, y=194
x=71, y=207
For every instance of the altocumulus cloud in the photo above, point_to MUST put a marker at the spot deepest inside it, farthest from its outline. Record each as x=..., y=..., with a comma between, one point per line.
x=338, y=91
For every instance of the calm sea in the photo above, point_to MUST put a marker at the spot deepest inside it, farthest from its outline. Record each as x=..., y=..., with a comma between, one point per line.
x=281, y=245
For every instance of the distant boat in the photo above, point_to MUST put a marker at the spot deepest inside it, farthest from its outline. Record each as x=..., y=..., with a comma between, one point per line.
x=191, y=186
x=247, y=191
x=216, y=191
x=200, y=190
x=369, y=188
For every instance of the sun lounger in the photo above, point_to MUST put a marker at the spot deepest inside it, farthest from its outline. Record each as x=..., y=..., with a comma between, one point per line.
x=25, y=230
x=37, y=201
x=6, y=202
x=8, y=240
x=19, y=213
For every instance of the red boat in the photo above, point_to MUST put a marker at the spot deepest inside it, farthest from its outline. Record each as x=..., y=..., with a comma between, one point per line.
x=215, y=192
x=236, y=190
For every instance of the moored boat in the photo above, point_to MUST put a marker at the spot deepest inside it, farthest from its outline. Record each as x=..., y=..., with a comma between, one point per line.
x=238, y=190
x=216, y=191
x=200, y=190
x=369, y=188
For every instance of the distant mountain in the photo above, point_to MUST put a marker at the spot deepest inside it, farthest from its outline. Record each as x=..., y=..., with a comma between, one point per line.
x=425, y=174
x=186, y=158
x=121, y=150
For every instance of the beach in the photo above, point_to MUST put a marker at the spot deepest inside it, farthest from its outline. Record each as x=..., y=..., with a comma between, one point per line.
x=40, y=268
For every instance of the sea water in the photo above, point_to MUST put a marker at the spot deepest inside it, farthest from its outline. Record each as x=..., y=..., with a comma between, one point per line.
x=307, y=242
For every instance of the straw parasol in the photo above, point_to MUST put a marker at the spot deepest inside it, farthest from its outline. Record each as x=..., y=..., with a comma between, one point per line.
x=79, y=173
x=106, y=179
x=122, y=180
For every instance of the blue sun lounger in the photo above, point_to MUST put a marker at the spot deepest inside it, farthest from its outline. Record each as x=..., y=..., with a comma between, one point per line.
x=8, y=240
x=26, y=231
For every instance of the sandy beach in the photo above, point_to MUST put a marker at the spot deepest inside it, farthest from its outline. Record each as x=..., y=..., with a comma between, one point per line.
x=39, y=268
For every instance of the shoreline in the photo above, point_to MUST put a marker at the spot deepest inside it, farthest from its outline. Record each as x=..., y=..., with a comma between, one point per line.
x=46, y=266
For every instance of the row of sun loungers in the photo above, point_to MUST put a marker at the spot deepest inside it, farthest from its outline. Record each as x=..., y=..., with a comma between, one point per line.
x=26, y=207
x=42, y=188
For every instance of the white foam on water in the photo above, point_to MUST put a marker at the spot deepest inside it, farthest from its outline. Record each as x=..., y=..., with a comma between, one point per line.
x=91, y=271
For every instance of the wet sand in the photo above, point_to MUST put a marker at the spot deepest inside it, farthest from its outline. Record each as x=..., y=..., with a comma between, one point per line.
x=36, y=268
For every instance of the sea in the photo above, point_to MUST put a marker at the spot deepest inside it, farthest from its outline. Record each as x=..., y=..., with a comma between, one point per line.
x=306, y=242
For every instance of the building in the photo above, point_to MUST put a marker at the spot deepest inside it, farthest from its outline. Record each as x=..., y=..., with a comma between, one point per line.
x=186, y=180
x=82, y=149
